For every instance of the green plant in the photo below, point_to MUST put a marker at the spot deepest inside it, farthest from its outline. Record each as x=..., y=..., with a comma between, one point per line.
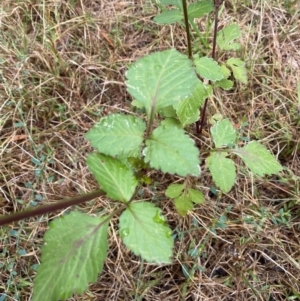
x=171, y=88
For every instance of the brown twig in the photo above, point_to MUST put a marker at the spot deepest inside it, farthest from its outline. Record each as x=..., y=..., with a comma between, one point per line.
x=217, y=3
x=50, y=208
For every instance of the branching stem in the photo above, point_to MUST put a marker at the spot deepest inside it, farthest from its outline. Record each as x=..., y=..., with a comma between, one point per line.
x=213, y=55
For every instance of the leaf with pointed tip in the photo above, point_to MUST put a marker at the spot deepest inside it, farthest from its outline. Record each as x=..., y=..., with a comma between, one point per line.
x=169, y=17
x=238, y=68
x=226, y=37
x=215, y=118
x=168, y=111
x=208, y=68
x=174, y=190
x=172, y=151
x=72, y=257
x=258, y=159
x=115, y=178
x=223, y=133
x=137, y=104
x=176, y=3
x=200, y=8
x=172, y=122
x=144, y=232
x=188, y=108
x=117, y=135
x=161, y=79
x=225, y=84
x=183, y=204
x=222, y=170
x=196, y=196
x=225, y=71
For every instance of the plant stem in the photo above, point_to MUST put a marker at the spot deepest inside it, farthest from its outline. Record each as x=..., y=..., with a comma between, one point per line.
x=213, y=55
x=187, y=28
x=150, y=121
x=217, y=5
x=50, y=208
x=203, y=41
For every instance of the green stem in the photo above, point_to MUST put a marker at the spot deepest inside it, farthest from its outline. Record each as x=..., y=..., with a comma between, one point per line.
x=150, y=122
x=203, y=41
x=50, y=208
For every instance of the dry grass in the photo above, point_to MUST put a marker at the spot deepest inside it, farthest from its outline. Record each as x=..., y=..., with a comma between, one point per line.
x=62, y=67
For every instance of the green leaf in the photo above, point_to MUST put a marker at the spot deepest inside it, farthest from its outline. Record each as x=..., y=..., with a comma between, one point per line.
x=238, y=68
x=137, y=104
x=188, y=108
x=176, y=3
x=161, y=79
x=117, y=135
x=196, y=196
x=172, y=122
x=225, y=84
x=215, y=118
x=183, y=204
x=208, y=68
x=258, y=159
x=222, y=170
x=174, y=190
x=226, y=37
x=169, y=149
x=144, y=232
x=200, y=8
x=225, y=71
x=223, y=133
x=72, y=257
x=169, y=17
x=114, y=177
x=168, y=111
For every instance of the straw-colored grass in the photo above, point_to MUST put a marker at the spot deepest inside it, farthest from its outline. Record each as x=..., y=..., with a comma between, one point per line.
x=62, y=66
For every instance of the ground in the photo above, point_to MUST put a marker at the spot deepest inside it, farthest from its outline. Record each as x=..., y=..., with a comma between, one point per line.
x=62, y=67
